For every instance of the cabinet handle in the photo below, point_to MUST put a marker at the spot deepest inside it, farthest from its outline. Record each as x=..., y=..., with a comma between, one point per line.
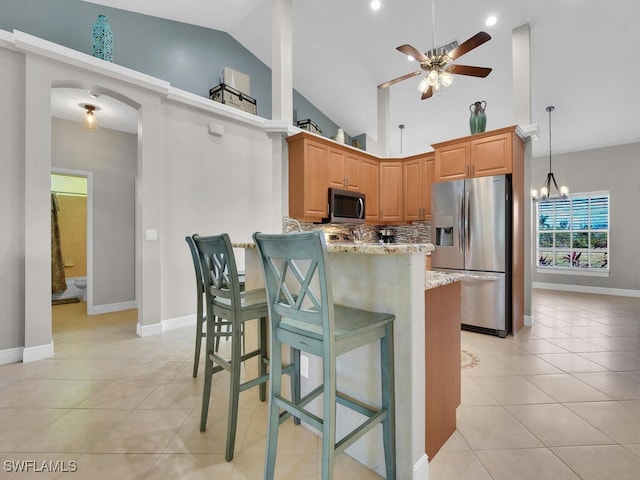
x=473, y=169
x=466, y=170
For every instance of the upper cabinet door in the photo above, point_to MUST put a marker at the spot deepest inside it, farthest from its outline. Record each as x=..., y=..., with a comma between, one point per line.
x=391, y=192
x=344, y=169
x=428, y=175
x=492, y=155
x=413, y=189
x=353, y=171
x=452, y=162
x=337, y=178
x=371, y=188
x=308, y=173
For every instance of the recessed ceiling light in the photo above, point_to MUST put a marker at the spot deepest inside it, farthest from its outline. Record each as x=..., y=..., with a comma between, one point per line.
x=410, y=58
x=491, y=21
x=375, y=5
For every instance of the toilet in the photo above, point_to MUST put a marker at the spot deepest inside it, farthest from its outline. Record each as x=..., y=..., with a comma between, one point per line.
x=81, y=284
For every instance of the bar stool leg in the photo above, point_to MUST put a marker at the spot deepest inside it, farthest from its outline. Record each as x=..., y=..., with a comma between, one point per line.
x=328, y=415
x=196, y=359
x=208, y=378
x=262, y=367
x=234, y=393
x=295, y=379
x=275, y=389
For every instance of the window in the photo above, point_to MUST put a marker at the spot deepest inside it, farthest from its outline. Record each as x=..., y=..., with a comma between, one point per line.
x=573, y=234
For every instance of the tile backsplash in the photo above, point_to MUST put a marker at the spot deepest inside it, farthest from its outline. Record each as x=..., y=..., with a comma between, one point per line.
x=417, y=232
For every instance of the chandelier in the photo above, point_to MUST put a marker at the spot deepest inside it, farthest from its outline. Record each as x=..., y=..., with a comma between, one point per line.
x=545, y=189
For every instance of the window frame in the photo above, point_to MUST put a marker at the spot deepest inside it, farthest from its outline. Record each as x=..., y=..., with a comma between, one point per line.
x=554, y=250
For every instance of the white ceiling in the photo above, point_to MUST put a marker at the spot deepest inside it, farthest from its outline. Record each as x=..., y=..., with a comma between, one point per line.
x=582, y=62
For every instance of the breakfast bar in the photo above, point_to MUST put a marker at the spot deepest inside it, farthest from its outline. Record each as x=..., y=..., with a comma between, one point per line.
x=389, y=278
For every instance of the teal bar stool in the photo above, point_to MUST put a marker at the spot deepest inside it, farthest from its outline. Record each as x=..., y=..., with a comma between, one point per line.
x=229, y=307
x=200, y=317
x=306, y=319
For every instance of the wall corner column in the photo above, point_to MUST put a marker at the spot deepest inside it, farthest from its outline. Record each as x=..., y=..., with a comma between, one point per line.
x=521, y=48
x=282, y=60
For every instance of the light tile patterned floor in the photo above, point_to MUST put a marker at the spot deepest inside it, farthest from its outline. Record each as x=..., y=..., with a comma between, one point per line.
x=559, y=401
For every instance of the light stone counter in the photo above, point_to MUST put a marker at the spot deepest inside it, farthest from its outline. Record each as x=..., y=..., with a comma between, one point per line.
x=366, y=248
x=434, y=278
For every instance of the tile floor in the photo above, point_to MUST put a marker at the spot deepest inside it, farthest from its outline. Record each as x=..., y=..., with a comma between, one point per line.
x=559, y=401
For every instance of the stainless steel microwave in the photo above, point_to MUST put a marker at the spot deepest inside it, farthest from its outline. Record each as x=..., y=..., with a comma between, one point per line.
x=345, y=206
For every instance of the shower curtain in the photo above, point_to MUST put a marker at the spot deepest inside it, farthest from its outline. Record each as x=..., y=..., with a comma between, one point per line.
x=58, y=281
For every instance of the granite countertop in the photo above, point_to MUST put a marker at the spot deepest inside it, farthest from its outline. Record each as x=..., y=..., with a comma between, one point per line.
x=434, y=279
x=366, y=248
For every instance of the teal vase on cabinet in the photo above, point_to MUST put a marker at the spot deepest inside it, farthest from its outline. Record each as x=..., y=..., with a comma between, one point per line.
x=478, y=120
x=102, y=39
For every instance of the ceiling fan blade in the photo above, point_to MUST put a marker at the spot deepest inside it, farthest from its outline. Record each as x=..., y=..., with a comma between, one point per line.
x=427, y=94
x=412, y=51
x=468, y=70
x=468, y=45
x=399, y=79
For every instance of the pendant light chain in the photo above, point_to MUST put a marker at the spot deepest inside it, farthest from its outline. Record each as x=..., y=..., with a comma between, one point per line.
x=550, y=109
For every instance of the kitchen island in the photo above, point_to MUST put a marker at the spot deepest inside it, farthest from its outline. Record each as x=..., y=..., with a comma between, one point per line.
x=386, y=278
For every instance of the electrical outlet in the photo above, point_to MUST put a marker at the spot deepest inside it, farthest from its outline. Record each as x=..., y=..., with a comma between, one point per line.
x=304, y=366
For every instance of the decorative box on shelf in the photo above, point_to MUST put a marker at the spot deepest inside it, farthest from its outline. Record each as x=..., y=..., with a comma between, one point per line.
x=309, y=126
x=234, y=98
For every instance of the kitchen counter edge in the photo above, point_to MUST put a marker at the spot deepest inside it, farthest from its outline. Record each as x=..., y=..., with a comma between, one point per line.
x=365, y=248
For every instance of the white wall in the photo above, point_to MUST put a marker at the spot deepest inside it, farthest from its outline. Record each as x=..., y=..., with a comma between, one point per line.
x=617, y=170
x=188, y=181
x=212, y=184
x=12, y=200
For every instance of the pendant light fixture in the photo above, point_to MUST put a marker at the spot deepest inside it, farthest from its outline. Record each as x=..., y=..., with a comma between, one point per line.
x=90, y=121
x=401, y=127
x=545, y=190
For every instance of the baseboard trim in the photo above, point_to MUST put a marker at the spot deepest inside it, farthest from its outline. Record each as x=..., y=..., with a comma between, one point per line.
x=421, y=468
x=619, y=292
x=179, y=322
x=528, y=321
x=111, y=307
x=149, y=330
x=11, y=355
x=32, y=354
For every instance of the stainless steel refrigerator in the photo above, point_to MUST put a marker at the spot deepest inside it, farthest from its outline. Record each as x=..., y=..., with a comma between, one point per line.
x=471, y=226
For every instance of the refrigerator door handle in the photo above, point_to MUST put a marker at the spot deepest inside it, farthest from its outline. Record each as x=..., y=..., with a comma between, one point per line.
x=461, y=213
x=466, y=222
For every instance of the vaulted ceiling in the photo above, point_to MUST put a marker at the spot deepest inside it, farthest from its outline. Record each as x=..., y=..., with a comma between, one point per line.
x=582, y=62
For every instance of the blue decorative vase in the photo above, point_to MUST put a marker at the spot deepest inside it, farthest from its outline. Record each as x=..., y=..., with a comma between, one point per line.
x=102, y=39
x=478, y=120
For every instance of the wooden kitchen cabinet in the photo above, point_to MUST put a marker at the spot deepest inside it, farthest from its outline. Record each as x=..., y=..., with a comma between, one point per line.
x=418, y=176
x=371, y=188
x=391, y=192
x=481, y=155
x=442, y=364
x=308, y=173
x=344, y=169
x=492, y=155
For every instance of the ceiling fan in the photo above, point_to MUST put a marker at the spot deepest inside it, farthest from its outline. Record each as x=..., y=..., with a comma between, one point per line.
x=438, y=63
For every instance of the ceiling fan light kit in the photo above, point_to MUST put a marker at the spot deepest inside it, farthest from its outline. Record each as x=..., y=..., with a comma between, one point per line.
x=438, y=62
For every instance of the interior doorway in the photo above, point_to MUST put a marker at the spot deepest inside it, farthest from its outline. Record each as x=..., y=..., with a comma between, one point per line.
x=72, y=204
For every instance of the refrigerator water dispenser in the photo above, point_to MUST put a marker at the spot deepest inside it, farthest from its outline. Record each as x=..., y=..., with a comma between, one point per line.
x=444, y=236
